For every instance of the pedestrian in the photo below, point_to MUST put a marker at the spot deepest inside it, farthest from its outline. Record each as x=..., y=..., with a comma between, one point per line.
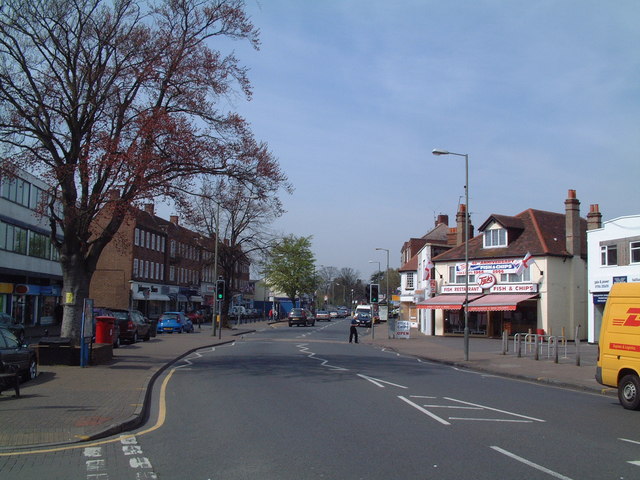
x=353, y=331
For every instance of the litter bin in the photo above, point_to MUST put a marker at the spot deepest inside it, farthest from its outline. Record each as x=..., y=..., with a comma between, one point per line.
x=104, y=329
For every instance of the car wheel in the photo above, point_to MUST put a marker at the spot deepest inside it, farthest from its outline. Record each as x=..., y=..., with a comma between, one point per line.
x=629, y=392
x=290, y=324
x=180, y=330
x=135, y=338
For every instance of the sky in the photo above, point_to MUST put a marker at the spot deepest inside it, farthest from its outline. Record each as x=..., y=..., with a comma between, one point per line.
x=352, y=96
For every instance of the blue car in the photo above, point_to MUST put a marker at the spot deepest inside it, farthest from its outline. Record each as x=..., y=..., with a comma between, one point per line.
x=170, y=322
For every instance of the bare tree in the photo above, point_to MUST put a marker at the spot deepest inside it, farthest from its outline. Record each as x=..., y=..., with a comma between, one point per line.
x=241, y=215
x=116, y=102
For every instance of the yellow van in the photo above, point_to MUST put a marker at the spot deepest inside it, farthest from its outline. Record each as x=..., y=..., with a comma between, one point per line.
x=619, y=347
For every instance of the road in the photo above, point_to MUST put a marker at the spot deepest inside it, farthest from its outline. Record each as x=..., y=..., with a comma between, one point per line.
x=302, y=403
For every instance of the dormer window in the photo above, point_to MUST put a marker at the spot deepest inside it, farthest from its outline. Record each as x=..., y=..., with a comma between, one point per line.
x=495, y=237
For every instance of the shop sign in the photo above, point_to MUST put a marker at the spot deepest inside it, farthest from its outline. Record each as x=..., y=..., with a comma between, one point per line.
x=601, y=284
x=460, y=289
x=23, y=289
x=515, y=288
x=403, y=329
x=495, y=267
x=600, y=298
x=486, y=280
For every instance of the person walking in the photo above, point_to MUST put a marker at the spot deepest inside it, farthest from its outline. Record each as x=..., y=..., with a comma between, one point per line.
x=353, y=331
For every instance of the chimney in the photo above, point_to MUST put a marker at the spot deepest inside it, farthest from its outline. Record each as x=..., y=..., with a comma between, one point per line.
x=460, y=222
x=594, y=217
x=451, y=237
x=442, y=220
x=173, y=219
x=149, y=208
x=572, y=223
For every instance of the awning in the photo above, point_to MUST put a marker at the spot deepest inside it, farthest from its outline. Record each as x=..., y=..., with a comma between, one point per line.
x=498, y=302
x=446, y=302
x=196, y=298
x=151, y=296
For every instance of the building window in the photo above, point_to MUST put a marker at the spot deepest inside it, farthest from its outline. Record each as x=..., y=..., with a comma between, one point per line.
x=609, y=255
x=135, y=267
x=524, y=276
x=457, y=278
x=410, y=281
x=496, y=237
x=136, y=237
x=172, y=247
x=635, y=252
x=39, y=245
x=172, y=273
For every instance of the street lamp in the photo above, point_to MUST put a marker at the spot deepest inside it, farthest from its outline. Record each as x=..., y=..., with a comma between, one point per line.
x=372, y=319
x=466, y=245
x=386, y=277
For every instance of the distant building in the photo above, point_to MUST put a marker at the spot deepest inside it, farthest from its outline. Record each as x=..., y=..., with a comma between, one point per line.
x=614, y=256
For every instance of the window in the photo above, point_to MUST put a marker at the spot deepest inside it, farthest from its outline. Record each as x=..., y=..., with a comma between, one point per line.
x=635, y=252
x=172, y=246
x=172, y=273
x=135, y=267
x=609, y=254
x=496, y=237
x=524, y=276
x=136, y=237
x=39, y=245
x=455, y=277
x=410, y=281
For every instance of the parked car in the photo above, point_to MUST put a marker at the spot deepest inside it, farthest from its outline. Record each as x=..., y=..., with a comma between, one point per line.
x=323, y=315
x=16, y=357
x=133, y=325
x=170, y=322
x=343, y=312
x=10, y=323
x=333, y=313
x=301, y=316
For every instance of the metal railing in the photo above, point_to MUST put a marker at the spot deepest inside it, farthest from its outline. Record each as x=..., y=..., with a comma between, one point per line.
x=534, y=344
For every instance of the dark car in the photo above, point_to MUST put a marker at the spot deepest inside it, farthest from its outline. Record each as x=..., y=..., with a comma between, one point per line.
x=364, y=320
x=15, y=357
x=301, y=316
x=8, y=322
x=133, y=325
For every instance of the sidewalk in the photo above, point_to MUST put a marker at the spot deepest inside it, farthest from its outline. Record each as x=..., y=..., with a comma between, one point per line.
x=71, y=404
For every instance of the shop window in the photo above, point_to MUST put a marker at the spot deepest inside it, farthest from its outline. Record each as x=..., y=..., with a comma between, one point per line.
x=455, y=278
x=609, y=255
x=523, y=276
x=635, y=252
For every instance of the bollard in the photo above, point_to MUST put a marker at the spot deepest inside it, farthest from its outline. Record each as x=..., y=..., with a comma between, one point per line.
x=555, y=345
x=519, y=346
x=577, y=340
x=505, y=343
x=536, y=355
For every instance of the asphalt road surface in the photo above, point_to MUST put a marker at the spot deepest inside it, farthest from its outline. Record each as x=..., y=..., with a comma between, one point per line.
x=302, y=403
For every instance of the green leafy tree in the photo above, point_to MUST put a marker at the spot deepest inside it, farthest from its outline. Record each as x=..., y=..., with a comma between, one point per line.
x=290, y=268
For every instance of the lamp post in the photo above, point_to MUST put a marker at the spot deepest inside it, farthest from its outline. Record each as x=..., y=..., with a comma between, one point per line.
x=466, y=245
x=386, y=279
x=372, y=316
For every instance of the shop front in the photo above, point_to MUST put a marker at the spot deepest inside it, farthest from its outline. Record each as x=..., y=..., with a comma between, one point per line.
x=31, y=304
x=451, y=315
x=513, y=313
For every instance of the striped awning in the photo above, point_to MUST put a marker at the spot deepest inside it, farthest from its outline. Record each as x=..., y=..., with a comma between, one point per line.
x=446, y=302
x=498, y=302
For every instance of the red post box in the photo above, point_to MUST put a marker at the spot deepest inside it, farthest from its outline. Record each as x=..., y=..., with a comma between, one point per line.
x=104, y=329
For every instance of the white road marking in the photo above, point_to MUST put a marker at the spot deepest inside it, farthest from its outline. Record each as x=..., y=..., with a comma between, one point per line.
x=426, y=412
x=630, y=441
x=303, y=347
x=503, y=420
x=530, y=463
x=496, y=410
x=378, y=382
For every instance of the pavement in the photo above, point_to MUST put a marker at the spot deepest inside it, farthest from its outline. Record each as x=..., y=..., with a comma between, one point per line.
x=66, y=405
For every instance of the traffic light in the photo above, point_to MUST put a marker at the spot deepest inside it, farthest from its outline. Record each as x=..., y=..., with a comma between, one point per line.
x=220, y=290
x=373, y=293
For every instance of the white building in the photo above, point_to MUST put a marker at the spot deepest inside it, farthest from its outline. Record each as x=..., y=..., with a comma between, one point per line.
x=31, y=276
x=614, y=256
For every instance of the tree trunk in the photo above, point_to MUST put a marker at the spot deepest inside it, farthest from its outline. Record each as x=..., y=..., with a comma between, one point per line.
x=76, y=282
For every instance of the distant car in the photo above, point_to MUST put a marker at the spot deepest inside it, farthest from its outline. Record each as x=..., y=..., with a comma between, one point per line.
x=333, y=313
x=301, y=316
x=170, y=322
x=323, y=315
x=364, y=320
x=343, y=312
x=8, y=322
x=196, y=317
x=133, y=325
x=15, y=357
